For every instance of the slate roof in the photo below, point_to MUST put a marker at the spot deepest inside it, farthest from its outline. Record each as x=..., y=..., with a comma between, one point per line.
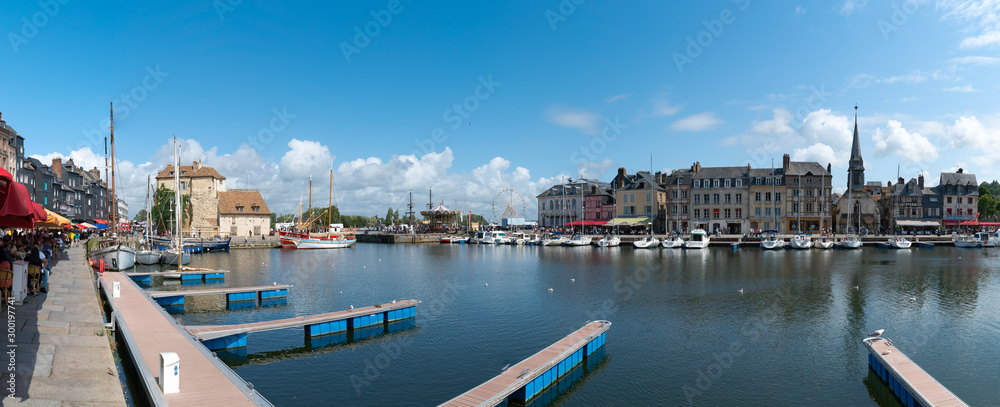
x=573, y=188
x=190, y=172
x=957, y=178
x=247, y=198
x=721, y=172
x=796, y=168
x=642, y=180
x=910, y=188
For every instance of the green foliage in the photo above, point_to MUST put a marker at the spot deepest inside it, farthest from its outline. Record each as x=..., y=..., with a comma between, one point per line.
x=163, y=206
x=988, y=206
x=993, y=188
x=141, y=216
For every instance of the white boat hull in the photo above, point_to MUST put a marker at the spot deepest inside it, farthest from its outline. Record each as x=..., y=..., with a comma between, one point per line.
x=147, y=257
x=850, y=244
x=324, y=244
x=772, y=244
x=552, y=242
x=170, y=257
x=583, y=241
x=646, y=243
x=117, y=257
x=612, y=242
x=677, y=243
x=800, y=243
x=824, y=244
x=899, y=244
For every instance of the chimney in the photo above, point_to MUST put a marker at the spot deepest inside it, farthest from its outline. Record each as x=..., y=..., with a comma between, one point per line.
x=57, y=166
x=920, y=181
x=197, y=165
x=829, y=168
x=960, y=171
x=899, y=180
x=785, y=161
x=620, y=180
x=95, y=172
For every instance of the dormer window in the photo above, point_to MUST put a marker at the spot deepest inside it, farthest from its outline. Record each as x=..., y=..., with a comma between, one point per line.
x=239, y=209
x=255, y=208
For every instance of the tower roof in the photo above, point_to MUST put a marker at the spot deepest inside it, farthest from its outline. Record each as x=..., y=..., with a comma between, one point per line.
x=856, y=145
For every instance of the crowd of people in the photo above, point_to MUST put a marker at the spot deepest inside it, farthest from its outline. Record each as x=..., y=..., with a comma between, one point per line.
x=35, y=247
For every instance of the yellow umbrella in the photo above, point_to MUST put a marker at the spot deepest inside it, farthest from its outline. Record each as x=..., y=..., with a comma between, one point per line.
x=53, y=220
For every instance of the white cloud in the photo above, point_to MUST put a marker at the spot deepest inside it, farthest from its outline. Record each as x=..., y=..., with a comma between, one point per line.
x=697, y=122
x=820, y=153
x=83, y=158
x=305, y=158
x=662, y=108
x=848, y=7
x=616, y=98
x=983, y=14
x=964, y=89
x=822, y=126
x=577, y=119
x=594, y=169
x=912, y=77
x=983, y=40
x=800, y=11
x=975, y=60
x=897, y=140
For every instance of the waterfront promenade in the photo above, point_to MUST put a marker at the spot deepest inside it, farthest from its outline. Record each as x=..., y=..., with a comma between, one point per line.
x=63, y=355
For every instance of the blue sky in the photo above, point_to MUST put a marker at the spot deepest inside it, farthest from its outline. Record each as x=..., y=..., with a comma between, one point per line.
x=470, y=97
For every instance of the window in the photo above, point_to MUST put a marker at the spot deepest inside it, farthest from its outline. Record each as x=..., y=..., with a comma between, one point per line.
x=649, y=197
x=649, y=209
x=728, y=198
x=739, y=213
x=697, y=183
x=697, y=199
x=756, y=196
x=739, y=183
x=705, y=199
x=631, y=197
x=959, y=200
x=768, y=181
x=968, y=211
x=684, y=210
x=697, y=213
x=739, y=198
x=796, y=181
x=47, y=188
x=795, y=192
x=948, y=200
x=715, y=198
x=675, y=209
x=777, y=180
x=675, y=194
x=756, y=180
x=255, y=208
x=777, y=212
x=767, y=197
x=809, y=180
x=727, y=213
x=239, y=209
x=777, y=197
x=949, y=211
x=809, y=207
x=767, y=212
x=756, y=212
x=684, y=194
x=795, y=207
x=715, y=183
x=715, y=214
x=727, y=183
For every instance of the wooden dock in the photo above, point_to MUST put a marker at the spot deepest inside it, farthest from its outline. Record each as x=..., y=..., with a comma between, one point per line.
x=908, y=381
x=234, y=336
x=147, y=331
x=533, y=375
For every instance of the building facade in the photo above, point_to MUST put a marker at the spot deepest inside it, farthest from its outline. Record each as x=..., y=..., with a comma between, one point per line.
x=857, y=210
x=719, y=198
x=959, y=194
x=242, y=212
x=765, y=193
x=203, y=184
x=808, y=187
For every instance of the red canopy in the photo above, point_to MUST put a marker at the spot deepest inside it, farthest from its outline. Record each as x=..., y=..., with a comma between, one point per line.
x=587, y=223
x=16, y=209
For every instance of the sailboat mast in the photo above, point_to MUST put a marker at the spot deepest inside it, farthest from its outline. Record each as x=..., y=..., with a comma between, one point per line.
x=329, y=210
x=774, y=202
x=177, y=203
x=114, y=195
x=310, y=202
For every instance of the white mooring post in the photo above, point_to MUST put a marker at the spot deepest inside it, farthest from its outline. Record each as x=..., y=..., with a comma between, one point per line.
x=170, y=379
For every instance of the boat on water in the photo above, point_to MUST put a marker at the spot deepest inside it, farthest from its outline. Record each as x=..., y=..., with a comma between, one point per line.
x=193, y=244
x=495, y=237
x=170, y=257
x=823, y=243
x=533, y=240
x=801, y=241
x=116, y=255
x=516, y=238
x=899, y=242
x=578, y=240
x=147, y=254
x=647, y=242
x=986, y=238
x=771, y=241
x=672, y=241
x=698, y=240
x=327, y=241
x=609, y=241
x=968, y=241
x=550, y=240
x=850, y=242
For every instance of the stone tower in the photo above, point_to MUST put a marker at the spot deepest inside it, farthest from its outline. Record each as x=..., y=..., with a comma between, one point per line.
x=856, y=166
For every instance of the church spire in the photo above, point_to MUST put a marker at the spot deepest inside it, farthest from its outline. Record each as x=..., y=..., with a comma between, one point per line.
x=856, y=166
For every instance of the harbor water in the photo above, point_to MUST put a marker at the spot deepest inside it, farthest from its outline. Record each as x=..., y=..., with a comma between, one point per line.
x=683, y=333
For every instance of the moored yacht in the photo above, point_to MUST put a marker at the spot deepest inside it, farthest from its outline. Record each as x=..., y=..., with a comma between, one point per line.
x=672, y=242
x=801, y=241
x=698, y=240
x=899, y=242
x=647, y=242
x=609, y=241
x=771, y=241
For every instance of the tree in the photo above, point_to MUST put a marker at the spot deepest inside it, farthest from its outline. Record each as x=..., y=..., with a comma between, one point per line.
x=141, y=216
x=389, y=220
x=988, y=205
x=163, y=208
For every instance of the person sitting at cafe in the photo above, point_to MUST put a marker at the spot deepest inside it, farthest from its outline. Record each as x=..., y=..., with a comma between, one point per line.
x=37, y=258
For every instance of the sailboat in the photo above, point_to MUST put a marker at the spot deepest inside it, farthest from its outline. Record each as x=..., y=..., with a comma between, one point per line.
x=147, y=255
x=176, y=255
x=117, y=255
x=333, y=237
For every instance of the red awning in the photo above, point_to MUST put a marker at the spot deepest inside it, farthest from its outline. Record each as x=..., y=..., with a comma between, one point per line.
x=587, y=223
x=103, y=222
x=16, y=209
x=963, y=222
x=989, y=223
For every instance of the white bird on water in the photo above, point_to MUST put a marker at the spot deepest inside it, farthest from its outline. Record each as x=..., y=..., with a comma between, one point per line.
x=550, y=290
x=486, y=284
x=740, y=291
x=572, y=280
x=913, y=298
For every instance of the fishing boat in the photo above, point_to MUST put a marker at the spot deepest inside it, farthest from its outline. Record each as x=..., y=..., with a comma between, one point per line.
x=516, y=238
x=697, y=240
x=672, y=241
x=899, y=242
x=117, y=255
x=578, y=240
x=967, y=241
x=801, y=241
x=609, y=240
x=647, y=242
x=771, y=241
x=823, y=243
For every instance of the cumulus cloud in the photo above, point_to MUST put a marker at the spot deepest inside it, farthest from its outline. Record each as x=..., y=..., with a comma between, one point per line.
x=581, y=120
x=820, y=153
x=84, y=158
x=697, y=122
x=848, y=7
x=897, y=140
x=662, y=108
x=984, y=16
x=305, y=158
